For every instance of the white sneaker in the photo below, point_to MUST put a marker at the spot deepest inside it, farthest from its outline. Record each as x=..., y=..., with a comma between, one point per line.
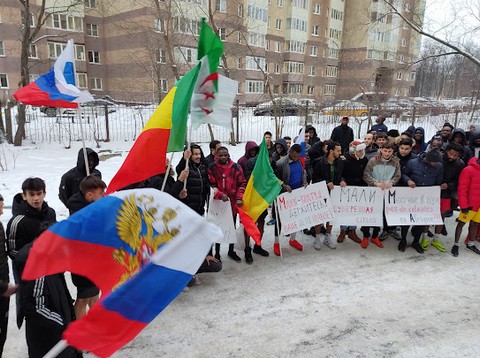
x=317, y=244
x=329, y=242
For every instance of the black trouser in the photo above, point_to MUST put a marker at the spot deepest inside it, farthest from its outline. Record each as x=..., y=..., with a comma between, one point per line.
x=366, y=231
x=417, y=232
x=404, y=231
x=4, y=305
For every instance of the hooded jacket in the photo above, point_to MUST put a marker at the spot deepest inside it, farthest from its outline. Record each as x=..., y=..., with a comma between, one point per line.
x=467, y=153
x=323, y=171
x=422, y=173
x=70, y=182
x=276, y=156
x=26, y=224
x=227, y=179
x=315, y=138
x=353, y=169
x=244, y=159
x=451, y=173
x=469, y=186
x=474, y=148
x=379, y=170
x=420, y=146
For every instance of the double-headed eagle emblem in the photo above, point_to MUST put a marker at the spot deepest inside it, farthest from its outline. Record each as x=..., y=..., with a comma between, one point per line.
x=135, y=228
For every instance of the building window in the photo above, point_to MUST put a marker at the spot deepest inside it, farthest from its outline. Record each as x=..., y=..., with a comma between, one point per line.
x=280, y=3
x=161, y=56
x=80, y=52
x=96, y=84
x=186, y=26
x=312, y=71
x=92, y=30
x=277, y=68
x=252, y=86
x=399, y=75
x=313, y=51
x=296, y=24
x=292, y=88
x=221, y=5
x=55, y=49
x=2, y=49
x=295, y=46
x=3, y=80
x=316, y=9
x=330, y=89
x=278, y=24
x=256, y=39
x=413, y=75
x=255, y=63
x=32, y=77
x=331, y=71
x=82, y=80
x=404, y=43
x=64, y=22
x=163, y=85
x=294, y=67
x=32, y=52
x=239, y=63
x=333, y=53
x=278, y=46
x=311, y=90
x=240, y=10
x=258, y=13
x=315, y=30
x=185, y=54
x=159, y=25
x=222, y=33
x=91, y=4
x=93, y=57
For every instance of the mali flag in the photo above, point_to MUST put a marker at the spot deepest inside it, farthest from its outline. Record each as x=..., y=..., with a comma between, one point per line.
x=262, y=189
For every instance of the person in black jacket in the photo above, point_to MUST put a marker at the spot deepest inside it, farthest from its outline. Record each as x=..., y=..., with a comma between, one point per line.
x=172, y=186
x=198, y=186
x=70, y=182
x=343, y=134
x=91, y=189
x=6, y=288
x=31, y=216
x=46, y=305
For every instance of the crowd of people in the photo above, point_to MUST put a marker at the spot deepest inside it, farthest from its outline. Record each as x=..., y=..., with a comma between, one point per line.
x=384, y=158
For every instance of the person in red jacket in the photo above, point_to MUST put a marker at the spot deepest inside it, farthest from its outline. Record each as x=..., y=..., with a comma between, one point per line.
x=228, y=183
x=469, y=202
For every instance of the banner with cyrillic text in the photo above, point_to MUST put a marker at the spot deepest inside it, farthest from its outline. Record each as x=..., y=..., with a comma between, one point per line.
x=304, y=208
x=220, y=213
x=413, y=206
x=357, y=205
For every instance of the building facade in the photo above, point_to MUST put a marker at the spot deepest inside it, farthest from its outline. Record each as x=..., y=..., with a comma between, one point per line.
x=137, y=50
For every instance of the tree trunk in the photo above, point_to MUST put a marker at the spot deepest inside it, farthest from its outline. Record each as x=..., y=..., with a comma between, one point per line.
x=20, y=133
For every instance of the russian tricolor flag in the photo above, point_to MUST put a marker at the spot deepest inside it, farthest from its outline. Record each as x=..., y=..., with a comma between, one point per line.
x=140, y=247
x=301, y=140
x=57, y=87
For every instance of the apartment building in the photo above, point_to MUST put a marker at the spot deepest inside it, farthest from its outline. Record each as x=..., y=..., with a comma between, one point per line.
x=136, y=50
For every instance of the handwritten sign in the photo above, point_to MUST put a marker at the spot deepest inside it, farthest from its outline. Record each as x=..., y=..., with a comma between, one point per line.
x=220, y=213
x=417, y=206
x=357, y=205
x=304, y=208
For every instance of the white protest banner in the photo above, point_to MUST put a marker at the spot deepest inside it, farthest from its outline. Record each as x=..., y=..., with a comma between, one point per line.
x=304, y=208
x=357, y=205
x=413, y=206
x=220, y=213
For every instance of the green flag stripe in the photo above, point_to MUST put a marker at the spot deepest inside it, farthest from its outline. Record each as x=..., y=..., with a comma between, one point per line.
x=266, y=183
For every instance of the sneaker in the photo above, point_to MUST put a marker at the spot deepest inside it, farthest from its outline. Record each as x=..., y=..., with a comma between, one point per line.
x=329, y=242
x=394, y=234
x=317, y=244
x=364, y=242
x=248, y=255
x=352, y=235
x=449, y=214
x=341, y=236
x=473, y=248
x=438, y=245
x=377, y=242
x=416, y=245
x=271, y=222
x=276, y=249
x=430, y=234
x=217, y=256
x=233, y=255
x=384, y=235
x=312, y=231
x=257, y=249
x=402, y=245
x=295, y=244
x=444, y=231
x=424, y=243
x=306, y=231
x=192, y=281
x=454, y=250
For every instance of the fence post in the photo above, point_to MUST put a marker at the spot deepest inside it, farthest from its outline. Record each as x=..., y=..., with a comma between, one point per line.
x=306, y=114
x=8, y=122
x=238, y=124
x=107, y=124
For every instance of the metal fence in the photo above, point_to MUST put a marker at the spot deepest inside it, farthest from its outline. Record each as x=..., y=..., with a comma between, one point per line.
x=125, y=124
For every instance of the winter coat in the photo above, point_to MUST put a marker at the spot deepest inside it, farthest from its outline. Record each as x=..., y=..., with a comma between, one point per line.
x=379, y=170
x=343, y=135
x=353, y=169
x=244, y=159
x=467, y=153
x=315, y=138
x=76, y=202
x=379, y=128
x=474, y=148
x=172, y=186
x=371, y=151
x=403, y=163
x=420, y=146
x=323, y=171
x=422, y=173
x=282, y=171
x=70, y=182
x=227, y=179
x=198, y=186
x=26, y=224
x=4, y=271
x=469, y=186
x=276, y=156
x=451, y=173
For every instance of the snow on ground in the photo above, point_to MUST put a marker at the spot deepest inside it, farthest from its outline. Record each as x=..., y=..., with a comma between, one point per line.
x=347, y=302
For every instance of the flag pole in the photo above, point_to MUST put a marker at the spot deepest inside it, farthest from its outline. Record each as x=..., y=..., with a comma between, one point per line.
x=85, y=156
x=189, y=136
x=277, y=224
x=56, y=349
x=167, y=172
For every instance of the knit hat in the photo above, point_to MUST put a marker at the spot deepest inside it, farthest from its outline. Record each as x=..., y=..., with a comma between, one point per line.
x=355, y=147
x=433, y=156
